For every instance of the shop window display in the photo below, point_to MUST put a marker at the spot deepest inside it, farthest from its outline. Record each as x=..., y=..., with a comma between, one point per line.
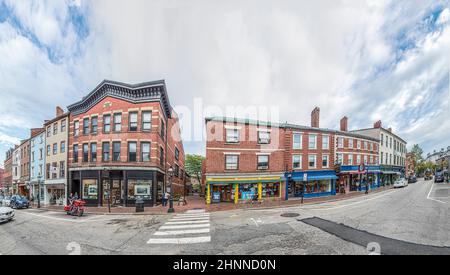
x=139, y=188
x=90, y=189
x=314, y=187
x=270, y=190
x=248, y=191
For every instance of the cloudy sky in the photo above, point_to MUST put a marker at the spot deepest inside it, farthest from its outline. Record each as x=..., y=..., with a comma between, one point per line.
x=368, y=60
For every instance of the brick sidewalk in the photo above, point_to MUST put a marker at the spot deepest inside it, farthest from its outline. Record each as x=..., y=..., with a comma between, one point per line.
x=192, y=203
x=290, y=202
x=195, y=202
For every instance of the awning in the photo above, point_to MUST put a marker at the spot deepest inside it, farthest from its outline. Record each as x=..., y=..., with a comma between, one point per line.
x=226, y=181
x=317, y=177
x=390, y=173
x=352, y=173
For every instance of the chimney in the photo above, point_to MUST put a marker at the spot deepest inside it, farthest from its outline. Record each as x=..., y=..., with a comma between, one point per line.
x=377, y=124
x=59, y=111
x=344, y=124
x=390, y=130
x=315, y=117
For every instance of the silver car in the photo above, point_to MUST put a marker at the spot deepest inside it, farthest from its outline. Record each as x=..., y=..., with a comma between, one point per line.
x=6, y=214
x=6, y=201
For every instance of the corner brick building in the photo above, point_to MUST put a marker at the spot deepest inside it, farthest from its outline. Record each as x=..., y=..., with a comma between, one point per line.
x=249, y=160
x=122, y=140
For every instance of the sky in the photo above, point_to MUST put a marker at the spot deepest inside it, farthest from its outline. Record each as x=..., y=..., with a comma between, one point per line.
x=367, y=60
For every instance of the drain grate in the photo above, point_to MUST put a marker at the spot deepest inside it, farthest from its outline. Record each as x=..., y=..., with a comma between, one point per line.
x=290, y=215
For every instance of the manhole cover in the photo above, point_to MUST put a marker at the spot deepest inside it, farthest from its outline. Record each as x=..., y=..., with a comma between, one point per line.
x=289, y=215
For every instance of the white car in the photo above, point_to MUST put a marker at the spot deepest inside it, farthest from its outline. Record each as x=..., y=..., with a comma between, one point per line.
x=6, y=214
x=6, y=202
x=400, y=183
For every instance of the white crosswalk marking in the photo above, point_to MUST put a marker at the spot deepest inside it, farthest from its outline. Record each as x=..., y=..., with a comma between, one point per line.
x=188, y=228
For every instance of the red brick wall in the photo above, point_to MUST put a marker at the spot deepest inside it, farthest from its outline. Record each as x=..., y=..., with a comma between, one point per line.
x=305, y=151
x=118, y=106
x=7, y=175
x=111, y=105
x=355, y=151
x=248, y=148
x=174, y=141
x=25, y=161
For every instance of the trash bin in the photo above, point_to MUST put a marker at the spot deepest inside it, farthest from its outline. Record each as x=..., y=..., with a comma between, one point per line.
x=139, y=205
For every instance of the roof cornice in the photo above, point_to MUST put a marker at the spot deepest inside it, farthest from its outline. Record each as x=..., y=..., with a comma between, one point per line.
x=153, y=91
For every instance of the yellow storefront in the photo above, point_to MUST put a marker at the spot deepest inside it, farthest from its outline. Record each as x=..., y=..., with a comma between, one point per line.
x=234, y=190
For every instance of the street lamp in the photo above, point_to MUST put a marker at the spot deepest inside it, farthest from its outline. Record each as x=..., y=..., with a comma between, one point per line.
x=39, y=191
x=108, y=191
x=171, y=210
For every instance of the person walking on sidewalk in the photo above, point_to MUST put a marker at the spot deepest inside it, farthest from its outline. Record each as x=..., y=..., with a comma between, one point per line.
x=166, y=198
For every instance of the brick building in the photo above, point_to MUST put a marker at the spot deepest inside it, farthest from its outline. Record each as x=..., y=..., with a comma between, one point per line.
x=7, y=175
x=410, y=164
x=2, y=179
x=22, y=184
x=247, y=159
x=357, y=160
x=122, y=141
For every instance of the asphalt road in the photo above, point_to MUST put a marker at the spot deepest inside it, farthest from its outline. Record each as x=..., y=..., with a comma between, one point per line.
x=417, y=214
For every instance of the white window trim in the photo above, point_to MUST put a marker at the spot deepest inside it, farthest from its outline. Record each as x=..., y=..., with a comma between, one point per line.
x=301, y=141
x=315, y=161
x=315, y=142
x=301, y=161
x=328, y=161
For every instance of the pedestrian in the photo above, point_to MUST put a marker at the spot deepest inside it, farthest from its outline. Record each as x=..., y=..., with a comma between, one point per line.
x=367, y=188
x=166, y=198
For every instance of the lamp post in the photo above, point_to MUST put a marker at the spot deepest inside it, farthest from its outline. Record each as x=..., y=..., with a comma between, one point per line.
x=39, y=191
x=171, y=210
x=108, y=191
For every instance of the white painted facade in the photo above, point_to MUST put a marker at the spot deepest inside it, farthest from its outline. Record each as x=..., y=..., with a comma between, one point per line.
x=392, y=148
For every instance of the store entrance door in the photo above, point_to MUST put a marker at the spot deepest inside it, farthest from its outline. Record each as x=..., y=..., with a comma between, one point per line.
x=112, y=192
x=222, y=193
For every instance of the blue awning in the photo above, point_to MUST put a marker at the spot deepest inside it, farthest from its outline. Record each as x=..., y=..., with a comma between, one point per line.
x=317, y=177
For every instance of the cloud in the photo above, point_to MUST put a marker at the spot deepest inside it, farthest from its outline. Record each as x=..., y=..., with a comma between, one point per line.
x=368, y=60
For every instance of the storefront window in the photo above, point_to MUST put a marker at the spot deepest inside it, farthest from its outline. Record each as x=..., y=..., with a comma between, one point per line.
x=270, y=190
x=315, y=187
x=248, y=191
x=90, y=189
x=139, y=188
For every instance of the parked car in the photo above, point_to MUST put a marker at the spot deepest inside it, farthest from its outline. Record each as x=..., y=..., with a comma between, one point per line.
x=439, y=177
x=428, y=175
x=19, y=202
x=6, y=214
x=412, y=179
x=6, y=201
x=400, y=183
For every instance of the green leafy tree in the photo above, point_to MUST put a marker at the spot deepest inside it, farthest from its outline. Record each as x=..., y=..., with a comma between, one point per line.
x=193, y=166
x=418, y=152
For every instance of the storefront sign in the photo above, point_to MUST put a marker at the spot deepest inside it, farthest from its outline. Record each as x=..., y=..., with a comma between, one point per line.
x=305, y=177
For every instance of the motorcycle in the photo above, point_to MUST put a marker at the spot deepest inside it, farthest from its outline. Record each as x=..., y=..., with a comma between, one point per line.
x=76, y=208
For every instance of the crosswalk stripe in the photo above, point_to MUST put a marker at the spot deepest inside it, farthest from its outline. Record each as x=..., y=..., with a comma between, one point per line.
x=193, y=222
x=193, y=216
x=186, y=222
x=196, y=211
x=164, y=227
x=182, y=232
x=180, y=240
x=189, y=219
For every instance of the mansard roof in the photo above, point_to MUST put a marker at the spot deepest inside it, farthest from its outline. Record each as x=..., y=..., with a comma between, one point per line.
x=153, y=91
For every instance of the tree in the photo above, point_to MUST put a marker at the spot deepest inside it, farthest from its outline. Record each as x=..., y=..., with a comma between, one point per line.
x=418, y=152
x=193, y=166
